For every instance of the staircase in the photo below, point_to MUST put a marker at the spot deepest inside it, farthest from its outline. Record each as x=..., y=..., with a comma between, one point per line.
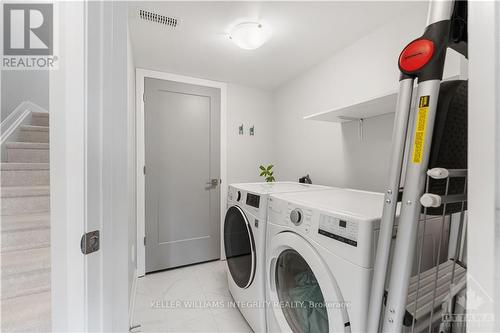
x=25, y=229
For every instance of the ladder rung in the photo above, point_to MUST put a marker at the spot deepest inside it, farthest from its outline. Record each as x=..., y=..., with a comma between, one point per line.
x=426, y=288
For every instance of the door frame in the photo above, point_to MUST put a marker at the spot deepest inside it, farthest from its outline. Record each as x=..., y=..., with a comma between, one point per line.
x=80, y=300
x=141, y=75
x=68, y=162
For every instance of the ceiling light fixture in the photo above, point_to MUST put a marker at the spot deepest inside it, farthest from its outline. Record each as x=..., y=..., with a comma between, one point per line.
x=250, y=35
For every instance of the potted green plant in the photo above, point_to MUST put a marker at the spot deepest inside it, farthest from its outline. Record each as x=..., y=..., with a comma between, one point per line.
x=267, y=172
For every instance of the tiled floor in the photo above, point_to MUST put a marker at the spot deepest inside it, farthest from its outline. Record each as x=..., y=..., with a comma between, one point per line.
x=188, y=299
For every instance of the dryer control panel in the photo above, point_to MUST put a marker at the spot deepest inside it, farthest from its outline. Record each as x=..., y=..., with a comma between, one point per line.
x=299, y=217
x=342, y=230
x=333, y=221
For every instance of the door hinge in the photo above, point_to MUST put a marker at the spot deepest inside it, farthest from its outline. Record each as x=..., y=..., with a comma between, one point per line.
x=144, y=169
x=144, y=240
x=143, y=97
x=90, y=242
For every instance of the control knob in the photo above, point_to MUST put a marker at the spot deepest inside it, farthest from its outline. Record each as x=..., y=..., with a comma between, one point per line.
x=296, y=216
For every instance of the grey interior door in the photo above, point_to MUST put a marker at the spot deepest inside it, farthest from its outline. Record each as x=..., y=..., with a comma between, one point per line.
x=182, y=132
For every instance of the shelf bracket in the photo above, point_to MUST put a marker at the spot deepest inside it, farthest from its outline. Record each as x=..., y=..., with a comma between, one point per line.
x=360, y=124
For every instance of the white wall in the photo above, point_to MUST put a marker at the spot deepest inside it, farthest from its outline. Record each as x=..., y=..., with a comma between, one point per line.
x=117, y=186
x=132, y=222
x=122, y=169
x=25, y=85
x=330, y=152
x=497, y=173
x=95, y=219
x=250, y=107
x=483, y=236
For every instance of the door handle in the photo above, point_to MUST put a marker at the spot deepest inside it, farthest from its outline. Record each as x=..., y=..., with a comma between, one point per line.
x=213, y=182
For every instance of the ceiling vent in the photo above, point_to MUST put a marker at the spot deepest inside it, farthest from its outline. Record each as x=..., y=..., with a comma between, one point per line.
x=157, y=18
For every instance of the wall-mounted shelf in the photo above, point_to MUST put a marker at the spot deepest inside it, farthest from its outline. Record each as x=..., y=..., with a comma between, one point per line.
x=371, y=107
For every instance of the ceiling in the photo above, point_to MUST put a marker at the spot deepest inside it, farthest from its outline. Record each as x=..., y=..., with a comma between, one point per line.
x=304, y=34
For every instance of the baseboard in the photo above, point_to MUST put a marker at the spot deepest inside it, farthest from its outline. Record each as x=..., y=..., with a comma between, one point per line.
x=131, y=306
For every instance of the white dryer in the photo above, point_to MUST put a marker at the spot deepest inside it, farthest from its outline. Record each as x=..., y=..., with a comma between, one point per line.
x=319, y=259
x=244, y=243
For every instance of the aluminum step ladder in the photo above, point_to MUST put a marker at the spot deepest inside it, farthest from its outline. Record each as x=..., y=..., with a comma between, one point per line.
x=413, y=184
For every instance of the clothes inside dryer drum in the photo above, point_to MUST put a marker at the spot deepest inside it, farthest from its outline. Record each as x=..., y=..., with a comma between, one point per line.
x=302, y=300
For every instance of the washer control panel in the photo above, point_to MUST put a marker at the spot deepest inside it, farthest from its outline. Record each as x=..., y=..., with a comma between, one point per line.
x=341, y=230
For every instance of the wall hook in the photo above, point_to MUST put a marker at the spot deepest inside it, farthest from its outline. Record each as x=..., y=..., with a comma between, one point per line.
x=360, y=129
x=252, y=130
x=241, y=129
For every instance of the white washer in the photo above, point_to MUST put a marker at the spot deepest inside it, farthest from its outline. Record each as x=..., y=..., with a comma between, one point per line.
x=319, y=259
x=244, y=243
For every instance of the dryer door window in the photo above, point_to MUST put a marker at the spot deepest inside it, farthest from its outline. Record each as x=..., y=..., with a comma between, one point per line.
x=303, y=288
x=300, y=293
x=239, y=246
